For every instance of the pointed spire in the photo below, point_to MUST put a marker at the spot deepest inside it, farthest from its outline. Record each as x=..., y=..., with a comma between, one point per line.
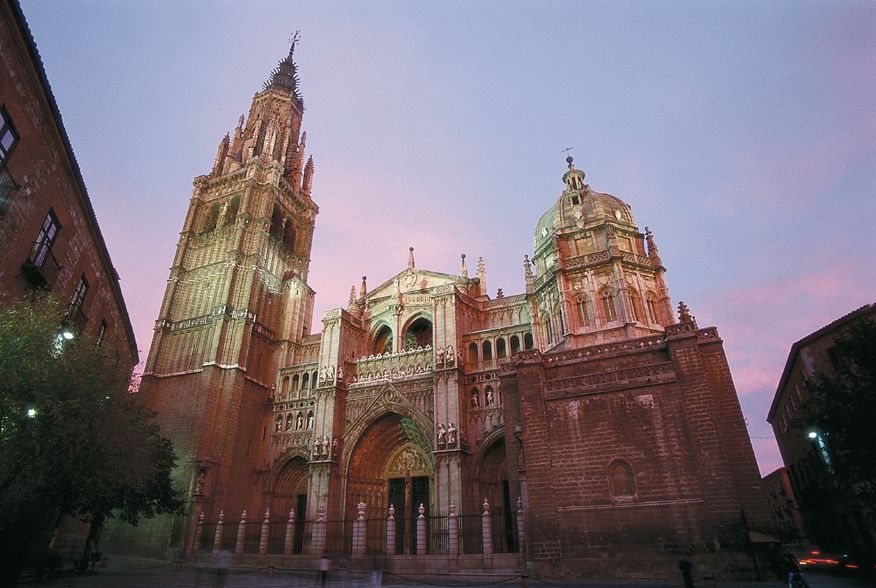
x=363, y=288
x=527, y=273
x=285, y=75
x=463, y=272
x=652, y=248
x=221, y=152
x=482, y=276
x=237, y=141
x=684, y=315
x=352, y=295
x=307, y=182
x=410, y=258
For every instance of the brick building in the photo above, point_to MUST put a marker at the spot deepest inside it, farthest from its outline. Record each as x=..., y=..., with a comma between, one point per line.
x=577, y=426
x=805, y=451
x=49, y=233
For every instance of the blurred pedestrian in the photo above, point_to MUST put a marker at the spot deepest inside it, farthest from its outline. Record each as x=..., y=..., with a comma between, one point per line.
x=686, y=567
x=221, y=564
x=324, y=565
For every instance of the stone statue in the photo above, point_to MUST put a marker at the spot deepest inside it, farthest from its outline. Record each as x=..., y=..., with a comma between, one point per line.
x=325, y=446
x=475, y=399
x=449, y=356
x=299, y=422
x=309, y=421
x=201, y=482
x=439, y=357
x=451, y=435
x=442, y=435
x=490, y=398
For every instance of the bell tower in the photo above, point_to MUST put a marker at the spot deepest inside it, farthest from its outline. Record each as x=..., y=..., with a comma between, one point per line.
x=237, y=302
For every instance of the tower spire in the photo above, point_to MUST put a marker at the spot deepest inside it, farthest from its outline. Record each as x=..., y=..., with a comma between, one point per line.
x=410, y=258
x=285, y=75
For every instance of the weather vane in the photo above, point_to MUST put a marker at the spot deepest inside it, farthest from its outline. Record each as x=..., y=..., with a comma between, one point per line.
x=295, y=38
x=567, y=149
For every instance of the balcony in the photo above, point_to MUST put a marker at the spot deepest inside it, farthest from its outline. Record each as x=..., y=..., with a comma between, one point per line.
x=41, y=269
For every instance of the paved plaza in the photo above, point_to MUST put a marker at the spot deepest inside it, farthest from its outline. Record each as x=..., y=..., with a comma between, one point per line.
x=124, y=575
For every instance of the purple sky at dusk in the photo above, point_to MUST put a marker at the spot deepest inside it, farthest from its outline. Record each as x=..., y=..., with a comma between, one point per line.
x=742, y=133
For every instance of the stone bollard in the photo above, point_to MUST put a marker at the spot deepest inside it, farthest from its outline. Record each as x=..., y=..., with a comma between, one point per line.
x=390, y=531
x=199, y=530
x=487, y=531
x=241, y=534
x=318, y=541
x=359, y=531
x=217, y=538
x=266, y=530
x=421, y=530
x=290, y=533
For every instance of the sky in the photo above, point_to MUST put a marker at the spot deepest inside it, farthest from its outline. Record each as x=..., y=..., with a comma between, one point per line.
x=742, y=133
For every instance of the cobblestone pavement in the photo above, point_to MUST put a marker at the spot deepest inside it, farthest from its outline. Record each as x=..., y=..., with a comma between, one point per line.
x=116, y=576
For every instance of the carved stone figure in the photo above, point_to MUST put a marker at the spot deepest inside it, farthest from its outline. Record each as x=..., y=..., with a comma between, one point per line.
x=439, y=357
x=475, y=399
x=442, y=435
x=309, y=421
x=490, y=398
x=451, y=435
x=449, y=357
x=201, y=483
x=299, y=422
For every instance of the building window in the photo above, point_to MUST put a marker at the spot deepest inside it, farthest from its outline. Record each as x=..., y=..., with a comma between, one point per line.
x=583, y=312
x=635, y=305
x=651, y=308
x=8, y=187
x=42, y=246
x=621, y=481
x=608, y=310
x=101, y=333
x=8, y=135
x=78, y=296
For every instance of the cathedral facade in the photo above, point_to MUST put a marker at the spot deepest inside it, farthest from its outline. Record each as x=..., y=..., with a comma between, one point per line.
x=599, y=434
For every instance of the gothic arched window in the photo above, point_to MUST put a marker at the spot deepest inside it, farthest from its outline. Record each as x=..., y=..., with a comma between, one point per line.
x=419, y=334
x=383, y=341
x=583, y=305
x=231, y=213
x=515, y=344
x=472, y=353
x=636, y=305
x=527, y=341
x=487, y=348
x=621, y=481
x=501, y=350
x=651, y=307
x=609, y=312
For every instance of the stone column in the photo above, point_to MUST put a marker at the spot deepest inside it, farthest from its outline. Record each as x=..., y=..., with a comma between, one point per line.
x=390, y=531
x=217, y=538
x=359, y=531
x=266, y=530
x=421, y=530
x=241, y=534
x=199, y=530
x=487, y=532
x=289, y=543
x=521, y=536
x=317, y=544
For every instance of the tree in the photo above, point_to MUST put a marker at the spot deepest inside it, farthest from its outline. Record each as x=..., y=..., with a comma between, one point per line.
x=73, y=441
x=841, y=415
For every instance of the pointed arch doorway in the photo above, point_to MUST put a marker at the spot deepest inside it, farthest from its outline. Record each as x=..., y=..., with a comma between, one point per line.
x=391, y=464
x=494, y=486
x=290, y=494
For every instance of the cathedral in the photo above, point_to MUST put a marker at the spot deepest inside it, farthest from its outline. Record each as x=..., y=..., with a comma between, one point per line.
x=577, y=429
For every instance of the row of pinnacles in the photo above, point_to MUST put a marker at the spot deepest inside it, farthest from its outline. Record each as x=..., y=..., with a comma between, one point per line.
x=285, y=538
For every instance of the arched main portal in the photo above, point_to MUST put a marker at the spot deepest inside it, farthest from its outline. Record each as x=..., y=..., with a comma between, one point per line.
x=493, y=482
x=290, y=493
x=391, y=464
